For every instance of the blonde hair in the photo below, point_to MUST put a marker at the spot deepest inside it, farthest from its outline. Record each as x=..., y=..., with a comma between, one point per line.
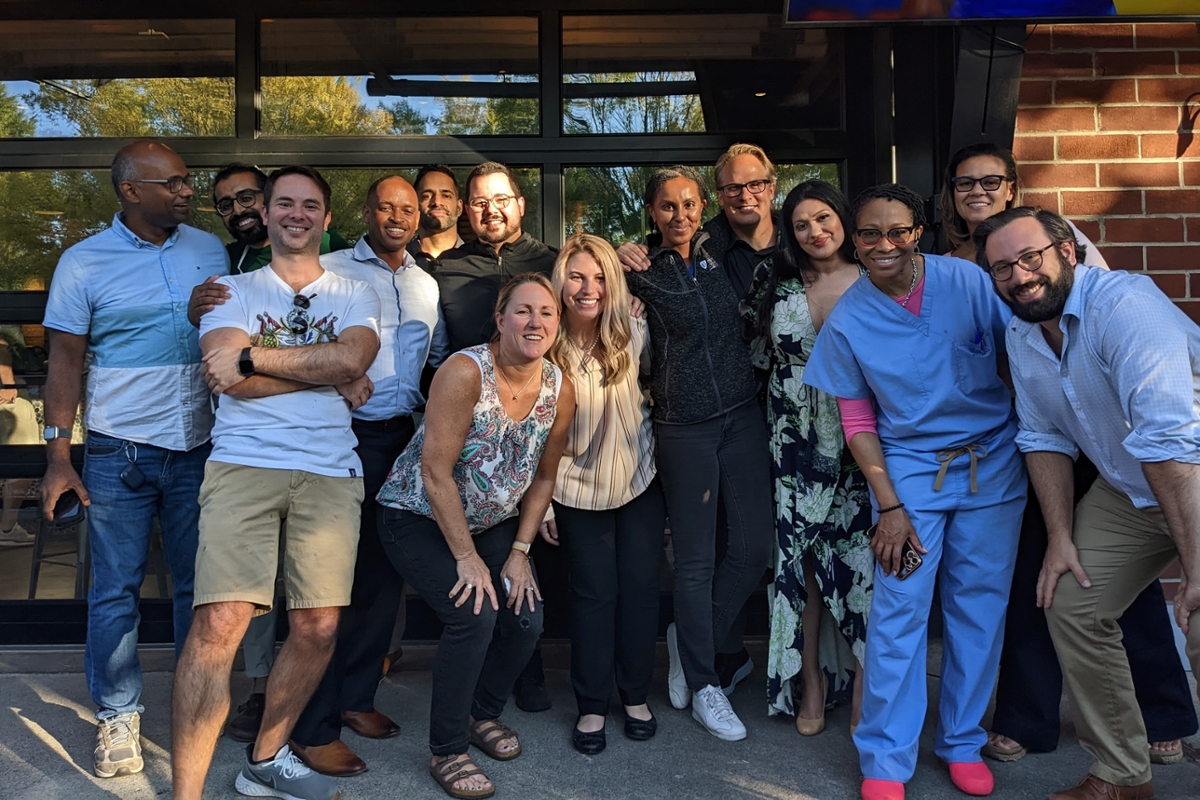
x=742, y=149
x=614, y=318
x=505, y=296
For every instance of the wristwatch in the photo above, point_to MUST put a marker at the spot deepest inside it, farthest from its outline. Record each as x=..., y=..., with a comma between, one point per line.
x=245, y=363
x=521, y=547
x=50, y=433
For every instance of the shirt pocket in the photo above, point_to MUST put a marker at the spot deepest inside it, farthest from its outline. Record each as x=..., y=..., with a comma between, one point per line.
x=975, y=364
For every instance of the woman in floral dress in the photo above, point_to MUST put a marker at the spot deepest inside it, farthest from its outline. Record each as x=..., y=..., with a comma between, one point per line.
x=821, y=502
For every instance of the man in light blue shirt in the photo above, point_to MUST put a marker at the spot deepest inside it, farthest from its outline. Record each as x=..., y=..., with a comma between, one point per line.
x=121, y=296
x=1105, y=364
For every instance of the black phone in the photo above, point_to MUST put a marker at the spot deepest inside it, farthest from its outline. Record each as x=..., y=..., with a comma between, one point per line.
x=910, y=559
x=68, y=509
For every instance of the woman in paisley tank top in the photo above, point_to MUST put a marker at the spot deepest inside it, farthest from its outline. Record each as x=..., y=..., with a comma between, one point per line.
x=497, y=421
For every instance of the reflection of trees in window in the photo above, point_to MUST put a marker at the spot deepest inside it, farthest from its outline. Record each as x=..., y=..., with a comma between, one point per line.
x=658, y=113
x=137, y=106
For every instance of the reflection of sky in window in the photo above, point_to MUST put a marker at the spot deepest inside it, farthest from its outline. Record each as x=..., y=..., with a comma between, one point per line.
x=45, y=125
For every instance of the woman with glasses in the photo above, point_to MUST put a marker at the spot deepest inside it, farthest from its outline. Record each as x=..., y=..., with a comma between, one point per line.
x=461, y=507
x=910, y=353
x=822, y=510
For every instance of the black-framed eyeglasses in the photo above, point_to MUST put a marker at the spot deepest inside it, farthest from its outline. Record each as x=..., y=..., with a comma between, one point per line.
x=174, y=185
x=245, y=199
x=500, y=201
x=990, y=183
x=732, y=190
x=1030, y=262
x=873, y=236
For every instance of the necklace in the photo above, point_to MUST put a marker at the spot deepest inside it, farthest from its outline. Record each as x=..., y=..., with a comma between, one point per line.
x=587, y=353
x=912, y=286
x=515, y=395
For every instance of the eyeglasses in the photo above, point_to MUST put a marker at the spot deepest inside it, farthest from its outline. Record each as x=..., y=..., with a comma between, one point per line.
x=174, y=185
x=500, y=201
x=298, y=319
x=873, y=236
x=990, y=183
x=1030, y=262
x=245, y=199
x=732, y=190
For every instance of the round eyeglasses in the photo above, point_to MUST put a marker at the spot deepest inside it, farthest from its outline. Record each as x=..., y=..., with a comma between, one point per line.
x=1030, y=262
x=873, y=236
x=244, y=198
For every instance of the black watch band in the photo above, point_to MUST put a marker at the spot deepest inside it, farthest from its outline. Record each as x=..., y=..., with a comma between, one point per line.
x=245, y=363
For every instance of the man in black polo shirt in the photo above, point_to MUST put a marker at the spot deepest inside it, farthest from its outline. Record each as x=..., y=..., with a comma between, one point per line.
x=440, y=208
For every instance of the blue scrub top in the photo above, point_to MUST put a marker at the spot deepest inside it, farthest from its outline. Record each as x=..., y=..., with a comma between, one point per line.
x=932, y=377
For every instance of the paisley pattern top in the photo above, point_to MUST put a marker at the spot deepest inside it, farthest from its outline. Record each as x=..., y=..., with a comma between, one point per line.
x=499, y=457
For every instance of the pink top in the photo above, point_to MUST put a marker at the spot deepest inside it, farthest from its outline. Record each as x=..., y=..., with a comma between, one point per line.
x=858, y=416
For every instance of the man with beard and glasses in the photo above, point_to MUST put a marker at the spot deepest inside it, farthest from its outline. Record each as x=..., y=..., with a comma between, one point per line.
x=1102, y=363
x=440, y=207
x=287, y=354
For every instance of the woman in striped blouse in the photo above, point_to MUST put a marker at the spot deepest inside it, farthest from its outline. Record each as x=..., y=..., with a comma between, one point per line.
x=608, y=508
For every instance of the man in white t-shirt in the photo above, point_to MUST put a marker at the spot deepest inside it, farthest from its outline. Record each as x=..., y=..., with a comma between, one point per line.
x=287, y=353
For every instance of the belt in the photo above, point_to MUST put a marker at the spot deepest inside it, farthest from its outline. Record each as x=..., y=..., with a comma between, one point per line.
x=946, y=456
x=383, y=425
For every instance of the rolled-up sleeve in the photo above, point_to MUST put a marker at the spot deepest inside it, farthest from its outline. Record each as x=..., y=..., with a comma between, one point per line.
x=1036, y=433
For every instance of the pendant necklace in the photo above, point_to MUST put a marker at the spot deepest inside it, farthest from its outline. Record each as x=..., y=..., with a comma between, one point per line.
x=912, y=286
x=586, y=353
x=515, y=395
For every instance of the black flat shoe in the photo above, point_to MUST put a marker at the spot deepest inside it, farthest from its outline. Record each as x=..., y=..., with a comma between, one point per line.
x=640, y=729
x=588, y=743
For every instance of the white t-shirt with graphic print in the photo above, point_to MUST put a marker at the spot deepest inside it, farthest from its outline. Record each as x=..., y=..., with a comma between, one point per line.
x=306, y=430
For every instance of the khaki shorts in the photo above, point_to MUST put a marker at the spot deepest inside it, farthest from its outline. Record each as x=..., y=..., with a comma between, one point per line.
x=240, y=511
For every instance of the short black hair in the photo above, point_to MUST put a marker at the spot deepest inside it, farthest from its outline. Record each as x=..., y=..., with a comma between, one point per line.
x=492, y=168
x=441, y=169
x=1057, y=228
x=237, y=168
x=298, y=169
x=891, y=191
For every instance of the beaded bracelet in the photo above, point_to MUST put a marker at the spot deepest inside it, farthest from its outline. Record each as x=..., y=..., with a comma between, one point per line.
x=891, y=508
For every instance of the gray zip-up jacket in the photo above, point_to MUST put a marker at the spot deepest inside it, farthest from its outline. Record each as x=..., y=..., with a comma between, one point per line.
x=700, y=364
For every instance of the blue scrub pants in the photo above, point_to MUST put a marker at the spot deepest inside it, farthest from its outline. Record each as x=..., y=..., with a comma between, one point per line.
x=972, y=553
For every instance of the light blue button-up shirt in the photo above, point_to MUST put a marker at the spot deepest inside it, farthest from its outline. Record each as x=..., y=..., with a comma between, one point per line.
x=411, y=331
x=1127, y=387
x=130, y=298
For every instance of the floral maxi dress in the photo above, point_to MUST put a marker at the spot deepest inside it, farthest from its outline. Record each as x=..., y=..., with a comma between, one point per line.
x=822, y=505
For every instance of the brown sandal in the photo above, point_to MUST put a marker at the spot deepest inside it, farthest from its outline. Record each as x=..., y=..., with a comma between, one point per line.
x=486, y=734
x=455, y=768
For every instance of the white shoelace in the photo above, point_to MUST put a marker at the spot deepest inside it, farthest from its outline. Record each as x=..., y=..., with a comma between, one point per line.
x=291, y=767
x=117, y=732
x=718, y=704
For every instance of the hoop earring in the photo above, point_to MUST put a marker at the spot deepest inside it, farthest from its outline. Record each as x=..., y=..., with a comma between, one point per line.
x=856, y=256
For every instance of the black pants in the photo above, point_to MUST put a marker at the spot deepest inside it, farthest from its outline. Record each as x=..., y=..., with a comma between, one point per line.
x=479, y=656
x=614, y=557
x=1030, y=685
x=726, y=455
x=365, y=632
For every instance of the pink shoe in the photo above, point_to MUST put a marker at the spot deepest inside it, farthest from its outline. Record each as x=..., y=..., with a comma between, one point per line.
x=972, y=777
x=875, y=789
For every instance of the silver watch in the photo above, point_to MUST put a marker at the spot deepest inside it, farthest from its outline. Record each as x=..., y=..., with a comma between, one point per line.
x=50, y=433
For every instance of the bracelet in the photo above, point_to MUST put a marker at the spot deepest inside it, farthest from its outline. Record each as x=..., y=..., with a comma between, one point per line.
x=521, y=547
x=896, y=507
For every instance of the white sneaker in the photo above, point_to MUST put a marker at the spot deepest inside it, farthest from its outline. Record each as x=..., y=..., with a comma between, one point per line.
x=118, y=746
x=710, y=707
x=677, y=686
x=17, y=537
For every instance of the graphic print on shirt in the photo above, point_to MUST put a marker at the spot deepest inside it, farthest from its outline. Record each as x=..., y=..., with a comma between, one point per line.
x=296, y=328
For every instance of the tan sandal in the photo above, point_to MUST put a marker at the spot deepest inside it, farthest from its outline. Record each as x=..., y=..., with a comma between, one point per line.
x=1001, y=752
x=486, y=734
x=455, y=768
x=1171, y=756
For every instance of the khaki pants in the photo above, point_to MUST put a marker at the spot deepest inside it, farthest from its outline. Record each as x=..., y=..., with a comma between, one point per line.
x=1122, y=549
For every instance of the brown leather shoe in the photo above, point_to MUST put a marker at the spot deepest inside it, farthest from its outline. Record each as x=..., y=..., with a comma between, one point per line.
x=1092, y=788
x=334, y=759
x=371, y=724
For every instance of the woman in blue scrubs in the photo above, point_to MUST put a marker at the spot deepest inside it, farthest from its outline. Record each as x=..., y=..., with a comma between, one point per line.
x=914, y=342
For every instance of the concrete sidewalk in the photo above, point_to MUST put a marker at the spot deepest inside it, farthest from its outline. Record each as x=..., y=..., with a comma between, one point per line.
x=46, y=741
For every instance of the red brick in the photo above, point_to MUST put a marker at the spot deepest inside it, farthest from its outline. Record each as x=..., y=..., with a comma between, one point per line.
x=1141, y=173
x=1192, y=309
x=1169, y=145
x=1089, y=148
x=1126, y=258
x=1123, y=90
x=1088, y=37
x=1166, y=90
x=1189, y=62
x=1038, y=38
x=1191, y=173
x=1116, y=65
x=1167, y=34
x=1143, y=230
x=1172, y=572
x=1175, y=257
x=1172, y=285
x=1136, y=118
x=1173, y=201
x=1046, y=200
x=1089, y=228
x=1094, y=203
x=1066, y=118
x=1036, y=93
x=1194, y=284
x=1193, y=231
x=1034, y=148
x=1057, y=176
x=1057, y=65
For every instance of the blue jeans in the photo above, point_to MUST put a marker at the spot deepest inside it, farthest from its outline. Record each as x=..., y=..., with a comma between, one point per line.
x=119, y=527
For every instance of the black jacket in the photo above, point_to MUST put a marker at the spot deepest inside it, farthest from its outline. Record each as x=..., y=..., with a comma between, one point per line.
x=470, y=278
x=701, y=365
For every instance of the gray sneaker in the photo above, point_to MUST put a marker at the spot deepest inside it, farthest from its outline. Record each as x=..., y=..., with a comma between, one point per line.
x=17, y=537
x=119, y=746
x=283, y=776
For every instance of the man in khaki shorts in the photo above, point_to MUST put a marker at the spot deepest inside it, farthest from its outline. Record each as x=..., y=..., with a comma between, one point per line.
x=1102, y=363
x=287, y=353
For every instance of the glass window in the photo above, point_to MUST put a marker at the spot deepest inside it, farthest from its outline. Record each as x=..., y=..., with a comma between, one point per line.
x=608, y=201
x=698, y=73
x=410, y=77
x=138, y=77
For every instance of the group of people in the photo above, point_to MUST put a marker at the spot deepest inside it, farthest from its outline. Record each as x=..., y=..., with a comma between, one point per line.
x=809, y=366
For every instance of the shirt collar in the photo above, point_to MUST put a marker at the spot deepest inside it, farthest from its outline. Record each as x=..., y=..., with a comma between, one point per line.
x=365, y=254
x=122, y=230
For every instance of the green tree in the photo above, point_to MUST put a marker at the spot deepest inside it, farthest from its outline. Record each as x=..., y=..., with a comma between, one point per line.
x=319, y=106
x=139, y=106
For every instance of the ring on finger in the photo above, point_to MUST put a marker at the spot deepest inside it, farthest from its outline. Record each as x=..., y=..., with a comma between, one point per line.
x=469, y=586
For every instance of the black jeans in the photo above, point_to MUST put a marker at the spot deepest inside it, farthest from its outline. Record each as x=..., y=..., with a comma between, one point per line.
x=1030, y=686
x=365, y=631
x=726, y=455
x=479, y=656
x=613, y=556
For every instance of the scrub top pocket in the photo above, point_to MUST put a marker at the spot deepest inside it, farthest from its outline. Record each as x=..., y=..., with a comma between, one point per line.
x=975, y=364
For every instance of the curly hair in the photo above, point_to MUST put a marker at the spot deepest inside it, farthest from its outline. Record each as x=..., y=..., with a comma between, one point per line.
x=894, y=192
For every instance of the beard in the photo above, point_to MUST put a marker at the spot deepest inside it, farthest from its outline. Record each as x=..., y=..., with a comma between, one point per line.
x=506, y=231
x=1053, y=299
x=437, y=224
x=251, y=235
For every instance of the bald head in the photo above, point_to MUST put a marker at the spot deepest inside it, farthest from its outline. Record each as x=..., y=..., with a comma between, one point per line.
x=391, y=215
x=153, y=184
x=127, y=163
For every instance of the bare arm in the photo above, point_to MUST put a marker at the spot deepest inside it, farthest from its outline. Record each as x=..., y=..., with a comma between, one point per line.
x=1176, y=486
x=62, y=401
x=1054, y=483
x=895, y=528
x=234, y=340
x=329, y=363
